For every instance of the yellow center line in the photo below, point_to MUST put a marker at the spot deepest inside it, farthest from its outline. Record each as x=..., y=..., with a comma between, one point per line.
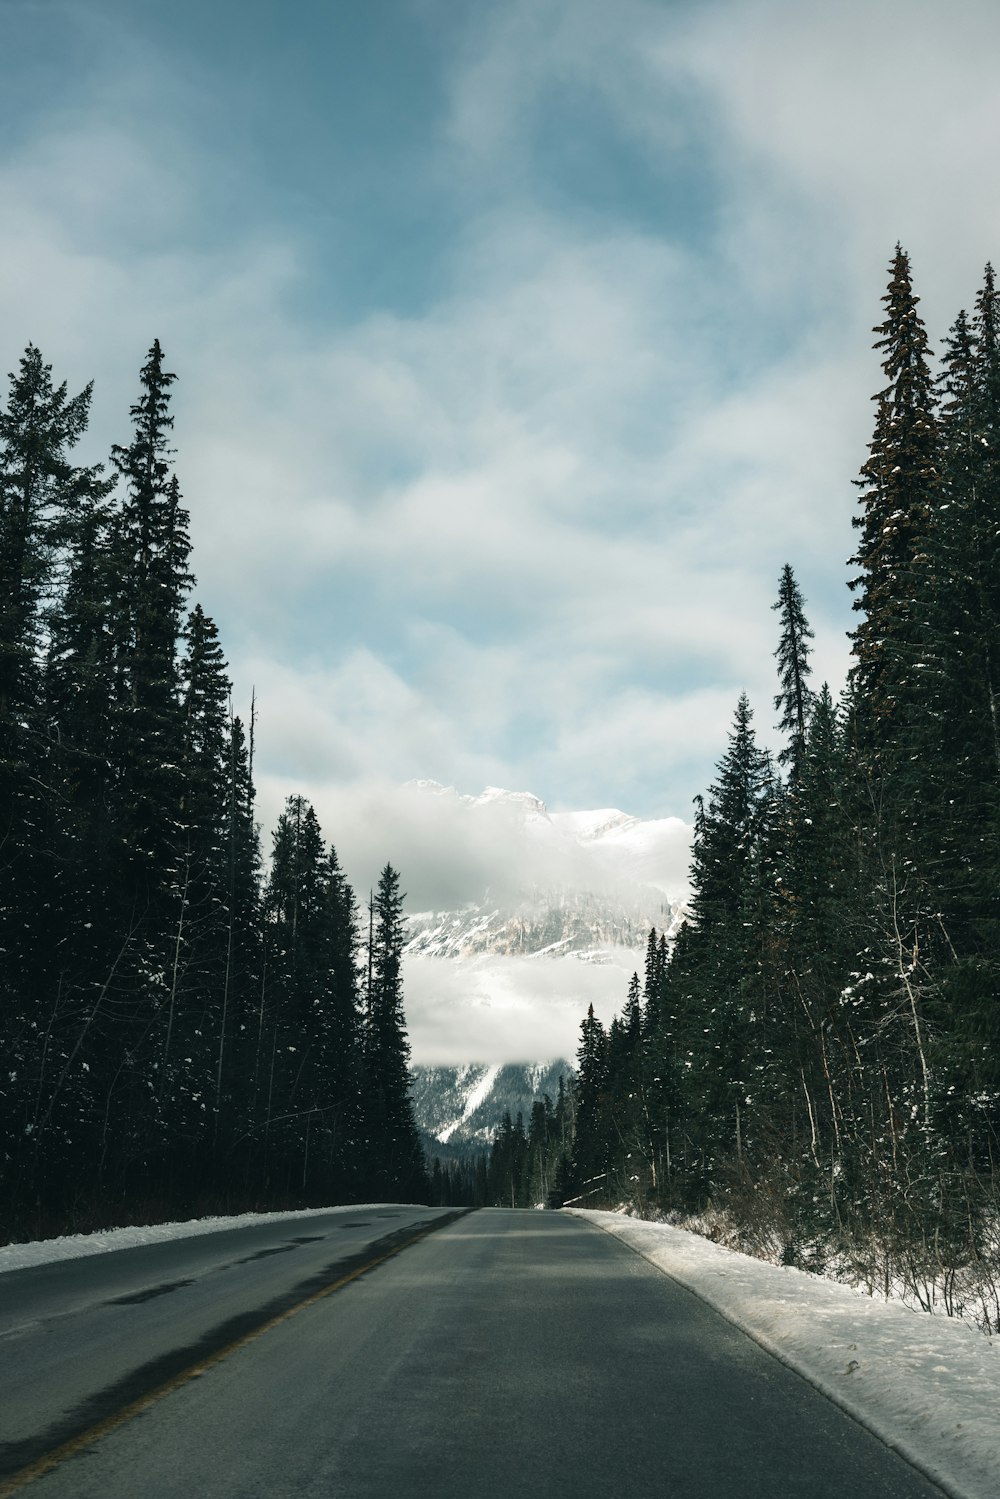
x=50, y=1460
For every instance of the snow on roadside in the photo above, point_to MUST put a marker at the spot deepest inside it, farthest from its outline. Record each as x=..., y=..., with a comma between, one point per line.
x=928, y=1386
x=74, y=1246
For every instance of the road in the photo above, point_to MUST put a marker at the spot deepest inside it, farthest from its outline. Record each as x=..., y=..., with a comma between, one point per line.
x=504, y=1353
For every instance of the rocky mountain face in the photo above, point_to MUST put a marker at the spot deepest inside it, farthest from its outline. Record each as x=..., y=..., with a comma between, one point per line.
x=543, y=924
x=463, y=1106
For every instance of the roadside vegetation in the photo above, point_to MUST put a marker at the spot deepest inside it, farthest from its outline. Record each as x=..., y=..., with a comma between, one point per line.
x=179, y=1033
x=812, y=1070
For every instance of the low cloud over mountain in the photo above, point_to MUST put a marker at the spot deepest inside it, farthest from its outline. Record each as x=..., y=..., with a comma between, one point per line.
x=518, y=917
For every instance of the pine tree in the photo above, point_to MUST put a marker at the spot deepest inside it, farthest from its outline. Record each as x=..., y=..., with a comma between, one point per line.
x=297, y=965
x=39, y=490
x=715, y=971
x=725, y=829
x=237, y=1071
x=341, y=1080
x=793, y=670
x=153, y=551
x=146, y=1136
x=899, y=488
x=40, y=494
x=396, y=1154
x=653, y=978
x=591, y=1144
x=198, y=1018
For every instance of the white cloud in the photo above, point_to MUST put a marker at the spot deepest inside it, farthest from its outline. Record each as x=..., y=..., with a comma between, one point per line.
x=451, y=850
x=846, y=127
x=531, y=533
x=507, y=1010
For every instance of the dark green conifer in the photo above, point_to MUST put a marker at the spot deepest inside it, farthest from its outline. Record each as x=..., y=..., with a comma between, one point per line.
x=395, y=1146
x=591, y=1144
x=152, y=553
x=793, y=670
x=41, y=492
x=900, y=486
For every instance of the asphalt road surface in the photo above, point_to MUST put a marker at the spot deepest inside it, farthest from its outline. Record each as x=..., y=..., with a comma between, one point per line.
x=501, y=1354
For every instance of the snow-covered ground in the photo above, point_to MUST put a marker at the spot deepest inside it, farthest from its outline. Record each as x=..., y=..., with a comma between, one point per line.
x=928, y=1386
x=75, y=1246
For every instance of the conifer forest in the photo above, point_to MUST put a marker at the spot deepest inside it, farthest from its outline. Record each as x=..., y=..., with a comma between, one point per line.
x=816, y=1058
x=178, y=1031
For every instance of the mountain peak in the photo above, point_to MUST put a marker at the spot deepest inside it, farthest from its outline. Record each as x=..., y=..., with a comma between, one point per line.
x=524, y=801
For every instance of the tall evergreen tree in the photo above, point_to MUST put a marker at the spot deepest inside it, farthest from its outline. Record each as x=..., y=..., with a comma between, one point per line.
x=40, y=490
x=395, y=1144
x=198, y=1018
x=297, y=963
x=725, y=828
x=153, y=551
x=342, y=1077
x=237, y=1066
x=899, y=486
x=40, y=493
x=793, y=670
x=591, y=1146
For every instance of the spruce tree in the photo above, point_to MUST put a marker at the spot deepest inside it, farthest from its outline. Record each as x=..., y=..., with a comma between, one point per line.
x=396, y=1156
x=39, y=490
x=591, y=1145
x=899, y=486
x=153, y=551
x=793, y=670
x=238, y=1064
x=725, y=829
x=341, y=1079
x=199, y=1018
x=297, y=965
x=715, y=971
x=40, y=494
x=152, y=1130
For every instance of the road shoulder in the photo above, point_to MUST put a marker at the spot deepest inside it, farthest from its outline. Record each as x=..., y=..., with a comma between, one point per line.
x=929, y=1387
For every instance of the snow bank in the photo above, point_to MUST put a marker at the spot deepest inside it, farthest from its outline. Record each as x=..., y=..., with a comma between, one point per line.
x=74, y=1246
x=928, y=1386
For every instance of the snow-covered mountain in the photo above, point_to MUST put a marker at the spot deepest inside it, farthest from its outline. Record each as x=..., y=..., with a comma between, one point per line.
x=544, y=924
x=462, y=1106
x=560, y=922
x=586, y=881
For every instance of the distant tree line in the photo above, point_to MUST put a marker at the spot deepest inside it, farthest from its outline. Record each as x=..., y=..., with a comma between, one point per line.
x=818, y=1053
x=524, y=1166
x=177, y=1030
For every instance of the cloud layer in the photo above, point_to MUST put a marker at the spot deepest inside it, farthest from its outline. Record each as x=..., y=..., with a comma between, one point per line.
x=497, y=1010
x=525, y=526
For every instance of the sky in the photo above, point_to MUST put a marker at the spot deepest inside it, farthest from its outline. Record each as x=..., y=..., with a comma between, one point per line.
x=518, y=346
